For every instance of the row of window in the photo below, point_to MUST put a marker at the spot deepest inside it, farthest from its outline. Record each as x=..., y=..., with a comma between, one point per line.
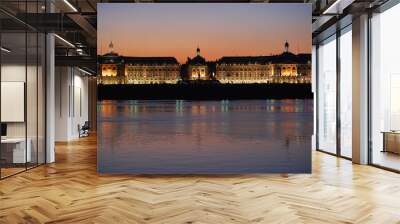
x=198, y=70
x=151, y=70
x=152, y=76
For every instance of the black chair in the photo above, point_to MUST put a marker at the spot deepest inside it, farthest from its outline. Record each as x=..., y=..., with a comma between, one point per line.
x=84, y=130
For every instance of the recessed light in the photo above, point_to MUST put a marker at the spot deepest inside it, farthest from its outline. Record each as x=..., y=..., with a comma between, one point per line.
x=70, y=5
x=64, y=40
x=5, y=50
x=84, y=71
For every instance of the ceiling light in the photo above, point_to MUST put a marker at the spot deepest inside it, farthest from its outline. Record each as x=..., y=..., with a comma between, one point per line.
x=70, y=5
x=64, y=40
x=5, y=50
x=338, y=6
x=330, y=7
x=84, y=71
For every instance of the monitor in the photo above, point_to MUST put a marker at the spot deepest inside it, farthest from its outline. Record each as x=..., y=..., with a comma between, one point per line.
x=3, y=129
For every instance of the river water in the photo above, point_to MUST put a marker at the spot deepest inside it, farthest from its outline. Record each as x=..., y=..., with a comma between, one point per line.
x=204, y=137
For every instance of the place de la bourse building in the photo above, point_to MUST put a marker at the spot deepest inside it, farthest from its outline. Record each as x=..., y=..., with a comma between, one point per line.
x=283, y=68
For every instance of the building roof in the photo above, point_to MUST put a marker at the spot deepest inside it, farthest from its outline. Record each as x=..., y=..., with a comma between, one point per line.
x=284, y=58
x=198, y=60
x=109, y=58
x=244, y=60
x=150, y=60
x=115, y=58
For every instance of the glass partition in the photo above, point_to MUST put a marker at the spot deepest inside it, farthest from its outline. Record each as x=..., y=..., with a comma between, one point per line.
x=346, y=95
x=22, y=92
x=14, y=154
x=385, y=89
x=327, y=95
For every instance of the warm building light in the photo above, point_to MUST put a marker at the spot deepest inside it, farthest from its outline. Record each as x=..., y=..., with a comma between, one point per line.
x=70, y=5
x=109, y=70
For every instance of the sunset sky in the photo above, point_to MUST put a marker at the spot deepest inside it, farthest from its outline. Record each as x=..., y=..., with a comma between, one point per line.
x=219, y=29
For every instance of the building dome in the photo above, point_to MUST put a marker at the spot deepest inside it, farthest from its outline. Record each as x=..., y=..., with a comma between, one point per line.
x=198, y=59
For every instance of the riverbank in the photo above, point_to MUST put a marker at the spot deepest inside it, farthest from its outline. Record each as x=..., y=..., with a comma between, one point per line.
x=204, y=91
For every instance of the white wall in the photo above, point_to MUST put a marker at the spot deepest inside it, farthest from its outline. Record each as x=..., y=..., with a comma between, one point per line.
x=61, y=103
x=17, y=73
x=314, y=90
x=71, y=102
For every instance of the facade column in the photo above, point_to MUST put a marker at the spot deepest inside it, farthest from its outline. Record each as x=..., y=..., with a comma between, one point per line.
x=360, y=90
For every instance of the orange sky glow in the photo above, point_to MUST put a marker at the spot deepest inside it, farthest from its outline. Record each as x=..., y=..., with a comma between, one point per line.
x=219, y=29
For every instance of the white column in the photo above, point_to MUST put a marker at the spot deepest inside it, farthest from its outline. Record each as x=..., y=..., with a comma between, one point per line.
x=50, y=99
x=360, y=90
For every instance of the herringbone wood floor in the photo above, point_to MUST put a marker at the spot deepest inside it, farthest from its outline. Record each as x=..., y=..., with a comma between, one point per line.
x=70, y=191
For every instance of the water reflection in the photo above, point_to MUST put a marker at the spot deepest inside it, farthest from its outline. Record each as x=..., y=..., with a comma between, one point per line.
x=160, y=137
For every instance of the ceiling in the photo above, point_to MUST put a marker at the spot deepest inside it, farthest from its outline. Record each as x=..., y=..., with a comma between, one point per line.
x=75, y=21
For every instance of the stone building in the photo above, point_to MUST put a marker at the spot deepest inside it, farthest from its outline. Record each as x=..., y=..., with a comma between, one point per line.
x=197, y=68
x=284, y=68
x=116, y=69
x=151, y=70
x=111, y=68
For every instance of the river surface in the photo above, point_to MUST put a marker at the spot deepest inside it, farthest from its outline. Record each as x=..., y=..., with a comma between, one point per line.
x=204, y=137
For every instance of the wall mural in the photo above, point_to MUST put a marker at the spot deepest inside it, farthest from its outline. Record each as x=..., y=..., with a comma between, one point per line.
x=204, y=88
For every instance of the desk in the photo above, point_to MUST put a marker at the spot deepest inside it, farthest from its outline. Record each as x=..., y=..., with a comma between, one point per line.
x=391, y=141
x=19, y=155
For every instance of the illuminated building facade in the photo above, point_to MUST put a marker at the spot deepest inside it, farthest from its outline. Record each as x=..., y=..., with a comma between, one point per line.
x=116, y=69
x=284, y=68
x=151, y=70
x=197, y=68
x=111, y=69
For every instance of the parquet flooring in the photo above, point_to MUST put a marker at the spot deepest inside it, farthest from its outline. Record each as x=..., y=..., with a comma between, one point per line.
x=70, y=191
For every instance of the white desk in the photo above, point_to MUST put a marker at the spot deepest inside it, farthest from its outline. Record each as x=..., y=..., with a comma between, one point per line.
x=19, y=153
